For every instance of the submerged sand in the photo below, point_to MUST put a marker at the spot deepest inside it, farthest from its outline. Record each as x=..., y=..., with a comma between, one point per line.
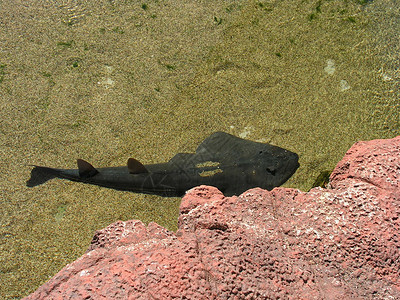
x=108, y=80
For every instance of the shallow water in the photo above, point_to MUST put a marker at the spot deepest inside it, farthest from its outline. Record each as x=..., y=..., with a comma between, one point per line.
x=108, y=80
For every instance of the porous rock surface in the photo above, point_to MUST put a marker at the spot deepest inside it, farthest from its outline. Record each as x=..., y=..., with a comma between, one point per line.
x=336, y=243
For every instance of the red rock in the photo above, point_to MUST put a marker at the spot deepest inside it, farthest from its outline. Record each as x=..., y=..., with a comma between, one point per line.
x=376, y=162
x=336, y=243
x=198, y=196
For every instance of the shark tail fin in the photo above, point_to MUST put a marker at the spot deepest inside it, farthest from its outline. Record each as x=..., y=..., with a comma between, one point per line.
x=40, y=175
x=86, y=170
x=136, y=167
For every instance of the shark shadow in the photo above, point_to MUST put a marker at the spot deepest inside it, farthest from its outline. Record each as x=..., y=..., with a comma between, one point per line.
x=231, y=164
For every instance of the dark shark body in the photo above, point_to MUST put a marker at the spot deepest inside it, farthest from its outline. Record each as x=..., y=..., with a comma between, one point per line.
x=231, y=164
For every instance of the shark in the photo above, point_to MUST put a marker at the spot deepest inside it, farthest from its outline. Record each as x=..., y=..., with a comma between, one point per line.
x=229, y=163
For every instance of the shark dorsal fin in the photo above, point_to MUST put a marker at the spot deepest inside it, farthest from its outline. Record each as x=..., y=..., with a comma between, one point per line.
x=136, y=167
x=86, y=169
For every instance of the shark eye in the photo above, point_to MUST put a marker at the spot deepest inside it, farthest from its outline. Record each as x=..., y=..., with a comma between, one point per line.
x=272, y=171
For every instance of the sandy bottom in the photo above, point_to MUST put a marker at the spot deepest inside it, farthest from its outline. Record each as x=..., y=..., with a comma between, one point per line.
x=108, y=80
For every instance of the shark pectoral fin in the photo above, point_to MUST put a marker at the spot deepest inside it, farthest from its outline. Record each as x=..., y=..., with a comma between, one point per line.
x=86, y=169
x=136, y=167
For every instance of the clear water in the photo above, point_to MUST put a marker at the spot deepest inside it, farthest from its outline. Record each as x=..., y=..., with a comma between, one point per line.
x=108, y=80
